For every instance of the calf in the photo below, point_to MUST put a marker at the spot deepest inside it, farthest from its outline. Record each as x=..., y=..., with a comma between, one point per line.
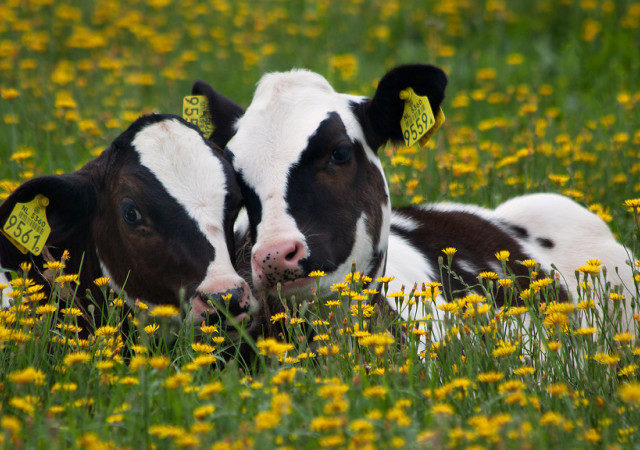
x=317, y=198
x=154, y=211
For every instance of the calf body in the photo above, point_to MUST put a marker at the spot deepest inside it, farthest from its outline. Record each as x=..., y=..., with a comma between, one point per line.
x=154, y=212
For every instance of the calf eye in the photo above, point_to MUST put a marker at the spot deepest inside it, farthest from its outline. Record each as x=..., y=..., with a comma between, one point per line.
x=341, y=154
x=130, y=213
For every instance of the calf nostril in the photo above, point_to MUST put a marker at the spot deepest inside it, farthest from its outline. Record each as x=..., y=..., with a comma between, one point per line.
x=295, y=253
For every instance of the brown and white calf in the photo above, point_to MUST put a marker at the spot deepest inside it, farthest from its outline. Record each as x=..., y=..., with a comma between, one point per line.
x=154, y=212
x=317, y=198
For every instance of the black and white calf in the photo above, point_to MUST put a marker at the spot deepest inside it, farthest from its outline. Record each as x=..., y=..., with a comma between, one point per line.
x=317, y=198
x=155, y=211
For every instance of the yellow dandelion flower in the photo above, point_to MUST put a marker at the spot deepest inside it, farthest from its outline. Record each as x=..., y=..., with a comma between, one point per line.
x=201, y=347
x=279, y=317
x=490, y=377
x=630, y=393
x=102, y=281
x=503, y=255
x=504, y=348
x=150, y=329
x=449, y=251
x=203, y=411
x=623, y=338
x=316, y=274
x=76, y=358
x=28, y=376
x=164, y=311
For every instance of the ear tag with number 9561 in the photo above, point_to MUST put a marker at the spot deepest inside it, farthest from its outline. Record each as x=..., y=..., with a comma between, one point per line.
x=418, y=122
x=195, y=109
x=27, y=227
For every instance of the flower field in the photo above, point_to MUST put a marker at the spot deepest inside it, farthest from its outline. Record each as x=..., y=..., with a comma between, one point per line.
x=542, y=96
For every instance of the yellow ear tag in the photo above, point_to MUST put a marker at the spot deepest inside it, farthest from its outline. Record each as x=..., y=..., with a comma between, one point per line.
x=27, y=227
x=418, y=122
x=195, y=109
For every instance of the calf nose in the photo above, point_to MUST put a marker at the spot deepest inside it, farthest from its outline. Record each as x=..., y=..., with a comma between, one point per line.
x=232, y=300
x=279, y=261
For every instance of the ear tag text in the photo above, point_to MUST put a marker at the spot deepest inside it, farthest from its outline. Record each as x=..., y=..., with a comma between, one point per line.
x=418, y=123
x=195, y=109
x=27, y=227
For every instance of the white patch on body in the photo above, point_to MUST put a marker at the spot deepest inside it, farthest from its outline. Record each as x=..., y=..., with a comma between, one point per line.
x=406, y=223
x=185, y=165
x=577, y=235
x=4, y=279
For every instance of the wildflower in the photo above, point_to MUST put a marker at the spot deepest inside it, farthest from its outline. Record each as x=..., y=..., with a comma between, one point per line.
x=442, y=409
x=633, y=203
x=209, y=329
x=515, y=311
x=164, y=431
x=585, y=331
x=203, y=411
x=375, y=391
x=150, y=329
x=102, y=281
x=529, y=263
x=177, y=380
x=488, y=275
x=323, y=423
x=69, y=278
x=556, y=320
x=271, y=346
x=554, y=346
x=557, y=389
x=45, y=309
x=74, y=312
x=159, y=362
x=28, y=376
x=504, y=348
x=524, y=370
x=505, y=282
x=510, y=386
x=384, y=280
x=278, y=317
x=630, y=393
x=502, y=255
x=627, y=371
x=592, y=436
x=490, y=377
x=164, y=311
x=210, y=389
x=623, y=338
x=76, y=358
x=201, y=347
x=606, y=359
x=316, y=274
x=266, y=420
x=107, y=330
x=551, y=418
x=449, y=251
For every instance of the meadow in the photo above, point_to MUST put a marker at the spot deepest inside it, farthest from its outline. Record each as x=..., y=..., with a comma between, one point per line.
x=542, y=96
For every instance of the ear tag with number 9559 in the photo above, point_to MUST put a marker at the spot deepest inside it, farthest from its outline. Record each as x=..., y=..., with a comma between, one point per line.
x=27, y=227
x=418, y=122
x=195, y=109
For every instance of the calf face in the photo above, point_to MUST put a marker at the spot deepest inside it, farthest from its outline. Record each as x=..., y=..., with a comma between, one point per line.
x=313, y=185
x=154, y=212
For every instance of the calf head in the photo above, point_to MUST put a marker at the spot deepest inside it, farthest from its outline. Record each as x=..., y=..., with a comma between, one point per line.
x=154, y=212
x=313, y=184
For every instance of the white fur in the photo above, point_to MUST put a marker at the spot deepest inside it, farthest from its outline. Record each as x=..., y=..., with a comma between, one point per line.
x=577, y=234
x=286, y=110
x=184, y=164
x=404, y=222
x=5, y=303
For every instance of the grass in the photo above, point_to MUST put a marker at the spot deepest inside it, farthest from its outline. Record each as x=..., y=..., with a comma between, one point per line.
x=543, y=96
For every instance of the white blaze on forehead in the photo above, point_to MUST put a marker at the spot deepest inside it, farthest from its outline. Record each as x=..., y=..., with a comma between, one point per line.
x=186, y=167
x=271, y=136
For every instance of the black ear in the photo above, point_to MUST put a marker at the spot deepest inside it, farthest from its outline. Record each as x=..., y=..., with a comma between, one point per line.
x=224, y=112
x=382, y=114
x=72, y=201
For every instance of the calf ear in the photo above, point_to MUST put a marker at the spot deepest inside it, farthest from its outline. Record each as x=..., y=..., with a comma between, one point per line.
x=382, y=113
x=71, y=204
x=224, y=112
